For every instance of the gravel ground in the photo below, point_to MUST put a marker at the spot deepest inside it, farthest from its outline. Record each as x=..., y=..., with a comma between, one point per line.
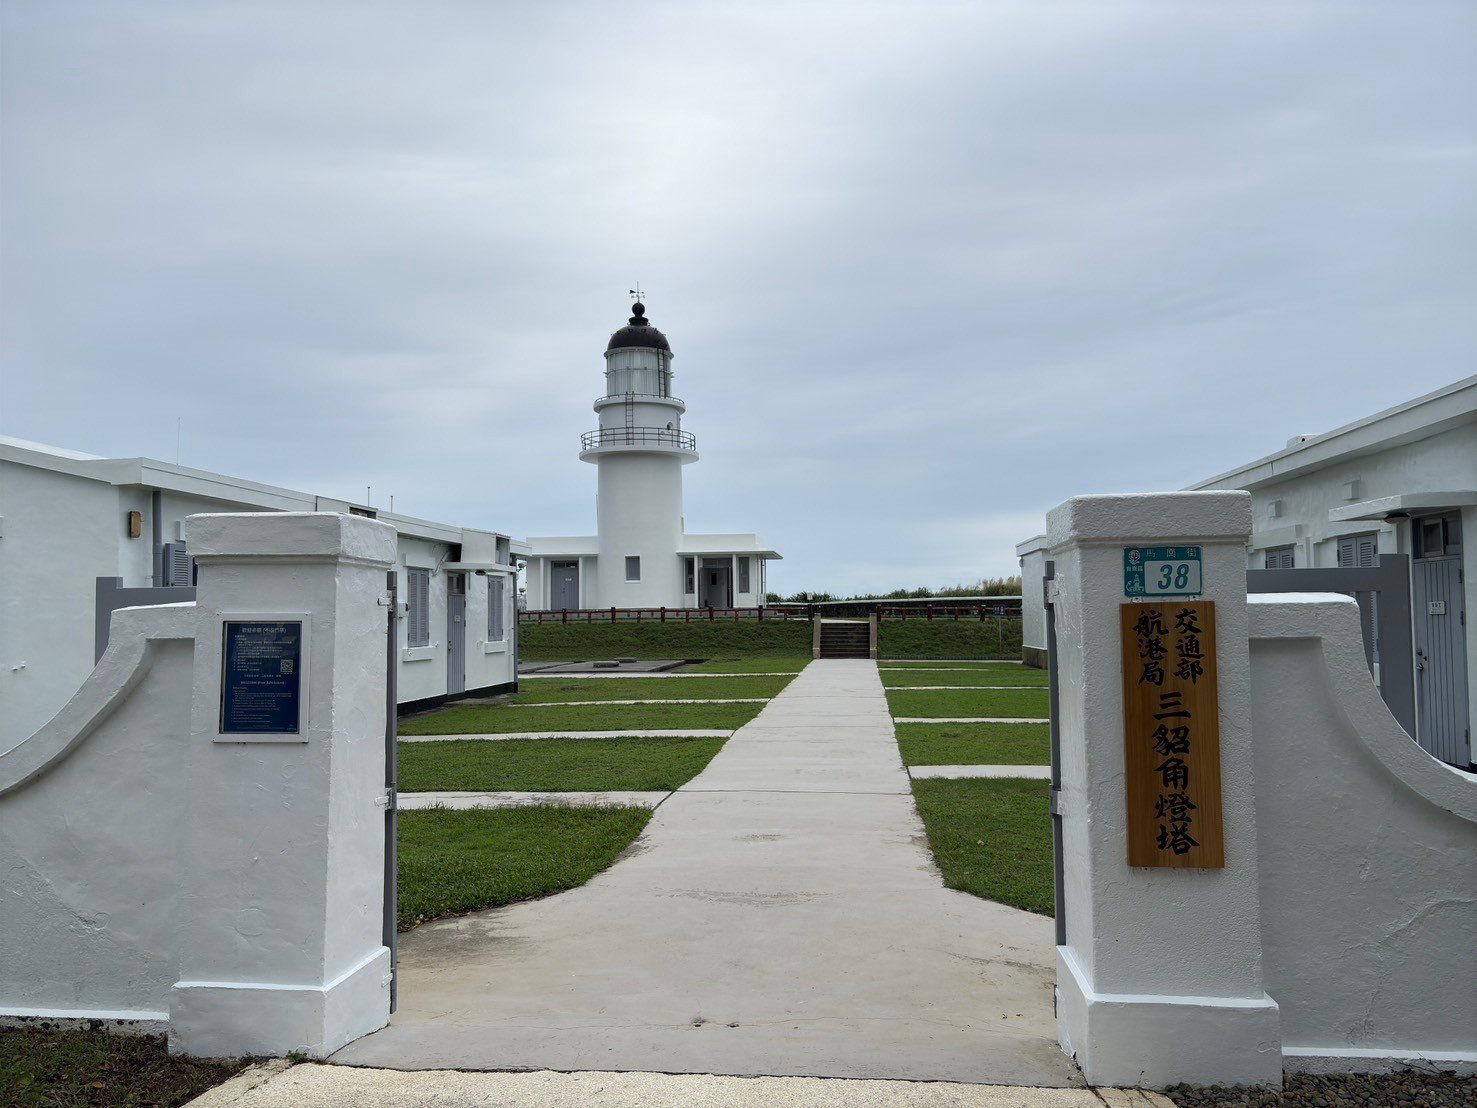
x=1346, y=1090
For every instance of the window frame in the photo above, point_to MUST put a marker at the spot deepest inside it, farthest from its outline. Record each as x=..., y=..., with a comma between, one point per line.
x=1276, y=553
x=744, y=574
x=497, y=601
x=417, y=606
x=633, y=561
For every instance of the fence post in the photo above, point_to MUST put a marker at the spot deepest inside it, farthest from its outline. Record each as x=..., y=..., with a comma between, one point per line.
x=1160, y=979
x=612, y=613
x=710, y=615
x=663, y=618
x=281, y=844
x=564, y=615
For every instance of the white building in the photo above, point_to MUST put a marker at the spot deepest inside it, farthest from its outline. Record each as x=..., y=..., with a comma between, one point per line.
x=81, y=535
x=642, y=556
x=1402, y=481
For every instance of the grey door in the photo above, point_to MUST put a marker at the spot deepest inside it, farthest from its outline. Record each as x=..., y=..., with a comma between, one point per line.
x=564, y=585
x=456, y=632
x=716, y=579
x=1439, y=612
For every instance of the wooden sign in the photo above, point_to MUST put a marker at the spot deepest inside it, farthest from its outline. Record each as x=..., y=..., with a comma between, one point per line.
x=1171, y=735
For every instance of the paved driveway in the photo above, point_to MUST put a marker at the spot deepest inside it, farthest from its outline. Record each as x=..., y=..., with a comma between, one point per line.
x=781, y=915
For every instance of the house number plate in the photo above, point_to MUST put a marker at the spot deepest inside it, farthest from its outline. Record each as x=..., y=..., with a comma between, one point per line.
x=1150, y=571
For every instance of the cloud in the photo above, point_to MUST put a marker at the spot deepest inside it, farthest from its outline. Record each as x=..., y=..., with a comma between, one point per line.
x=927, y=269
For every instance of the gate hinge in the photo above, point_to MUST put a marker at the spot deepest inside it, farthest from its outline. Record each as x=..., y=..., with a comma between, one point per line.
x=1057, y=809
x=385, y=799
x=385, y=600
x=1053, y=591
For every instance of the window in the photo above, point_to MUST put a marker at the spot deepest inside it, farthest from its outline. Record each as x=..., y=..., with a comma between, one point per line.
x=743, y=585
x=691, y=575
x=1279, y=557
x=1359, y=551
x=418, y=607
x=1436, y=536
x=497, y=588
x=633, y=568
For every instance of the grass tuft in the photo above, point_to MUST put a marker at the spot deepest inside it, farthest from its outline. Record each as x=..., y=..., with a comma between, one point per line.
x=493, y=719
x=452, y=862
x=97, y=1068
x=991, y=838
x=981, y=703
x=974, y=744
x=553, y=765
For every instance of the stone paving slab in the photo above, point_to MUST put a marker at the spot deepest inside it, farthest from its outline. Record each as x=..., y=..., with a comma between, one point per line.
x=463, y=801
x=766, y=923
x=340, y=1086
x=1034, y=773
x=634, y=734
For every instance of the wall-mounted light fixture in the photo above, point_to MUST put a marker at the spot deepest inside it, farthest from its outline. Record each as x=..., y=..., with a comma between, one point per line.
x=135, y=524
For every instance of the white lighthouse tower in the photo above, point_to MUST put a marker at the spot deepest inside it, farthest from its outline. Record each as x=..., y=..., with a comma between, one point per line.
x=642, y=556
x=639, y=450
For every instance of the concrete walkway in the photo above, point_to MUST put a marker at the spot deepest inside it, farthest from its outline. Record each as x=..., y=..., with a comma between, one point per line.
x=781, y=915
x=276, y=1086
x=463, y=801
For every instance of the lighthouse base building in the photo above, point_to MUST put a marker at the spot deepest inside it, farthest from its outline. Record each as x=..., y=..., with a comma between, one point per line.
x=641, y=556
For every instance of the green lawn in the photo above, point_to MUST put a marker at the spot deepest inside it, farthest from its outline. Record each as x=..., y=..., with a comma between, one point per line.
x=553, y=765
x=991, y=837
x=473, y=719
x=945, y=638
x=453, y=862
x=552, y=691
x=60, y=1069
x=984, y=674
x=719, y=639
x=753, y=663
x=974, y=744
x=997, y=703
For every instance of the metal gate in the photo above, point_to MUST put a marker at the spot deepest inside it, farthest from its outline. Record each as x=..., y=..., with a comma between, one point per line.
x=1441, y=642
x=1383, y=593
x=1053, y=707
x=392, y=804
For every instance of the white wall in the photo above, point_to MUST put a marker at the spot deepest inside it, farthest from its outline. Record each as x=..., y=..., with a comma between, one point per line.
x=59, y=533
x=639, y=512
x=1368, y=850
x=132, y=841
x=1443, y=463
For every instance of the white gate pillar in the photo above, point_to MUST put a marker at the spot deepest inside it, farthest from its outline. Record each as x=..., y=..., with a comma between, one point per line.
x=282, y=849
x=1160, y=980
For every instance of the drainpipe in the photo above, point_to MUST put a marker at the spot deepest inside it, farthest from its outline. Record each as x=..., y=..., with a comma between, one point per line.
x=156, y=525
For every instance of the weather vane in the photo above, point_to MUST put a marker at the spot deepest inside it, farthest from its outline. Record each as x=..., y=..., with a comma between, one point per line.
x=636, y=292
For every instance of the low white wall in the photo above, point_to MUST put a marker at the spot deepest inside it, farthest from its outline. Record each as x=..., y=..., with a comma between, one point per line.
x=229, y=888
x=1368, y=850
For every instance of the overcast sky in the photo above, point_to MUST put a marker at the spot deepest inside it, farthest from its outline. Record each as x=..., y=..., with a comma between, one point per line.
x=927, y=269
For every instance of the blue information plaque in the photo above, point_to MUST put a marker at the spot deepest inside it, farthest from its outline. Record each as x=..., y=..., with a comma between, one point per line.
x=261, y=677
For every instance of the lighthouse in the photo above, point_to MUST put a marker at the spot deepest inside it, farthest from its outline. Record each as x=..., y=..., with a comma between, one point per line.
x=639, y=450
x=641, y=555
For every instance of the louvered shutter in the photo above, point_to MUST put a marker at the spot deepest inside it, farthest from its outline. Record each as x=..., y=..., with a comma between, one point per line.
x=178, y=566
x=495, y=600
x=1358, y=551
x=418, y=632
x=1279, y=557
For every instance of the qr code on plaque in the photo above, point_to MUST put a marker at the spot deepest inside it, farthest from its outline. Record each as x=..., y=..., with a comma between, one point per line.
x=286, y=665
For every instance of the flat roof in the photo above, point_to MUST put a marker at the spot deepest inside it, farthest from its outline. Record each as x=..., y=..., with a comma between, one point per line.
x=1412, y=421
x=151, y=473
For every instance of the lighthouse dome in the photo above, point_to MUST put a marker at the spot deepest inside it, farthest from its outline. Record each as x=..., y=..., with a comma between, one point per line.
x=638, y=332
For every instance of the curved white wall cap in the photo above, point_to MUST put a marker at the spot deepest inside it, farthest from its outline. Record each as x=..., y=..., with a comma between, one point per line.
x=129, y=657
x=291, y=535
x=1333, y=619
x=1202, y=516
